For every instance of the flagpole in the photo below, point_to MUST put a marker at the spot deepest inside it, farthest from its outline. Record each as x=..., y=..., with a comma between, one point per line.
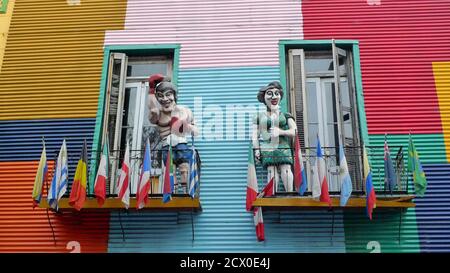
x=87, y=173
x=44, y=180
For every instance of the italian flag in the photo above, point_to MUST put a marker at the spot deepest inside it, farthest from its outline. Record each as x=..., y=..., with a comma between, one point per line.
x=100, y=180
x=252, y=182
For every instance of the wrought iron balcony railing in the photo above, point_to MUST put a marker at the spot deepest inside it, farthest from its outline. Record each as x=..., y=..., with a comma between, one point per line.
x=354, y=156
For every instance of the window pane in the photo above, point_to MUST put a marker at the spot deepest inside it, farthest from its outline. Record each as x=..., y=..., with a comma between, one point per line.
x=146, y=69
x=313, y=118
x=318, y=65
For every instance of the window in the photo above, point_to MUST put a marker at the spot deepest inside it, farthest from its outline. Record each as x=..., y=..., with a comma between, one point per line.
x=126, y=113
x=323, y=99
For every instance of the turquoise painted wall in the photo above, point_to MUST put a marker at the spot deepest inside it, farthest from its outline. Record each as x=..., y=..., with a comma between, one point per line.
x=224, y=225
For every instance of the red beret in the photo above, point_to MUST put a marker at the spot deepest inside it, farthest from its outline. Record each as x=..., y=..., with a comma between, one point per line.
x=153, y=81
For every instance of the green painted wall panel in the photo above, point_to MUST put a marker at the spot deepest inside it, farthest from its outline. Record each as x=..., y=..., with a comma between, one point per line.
x=384, y=228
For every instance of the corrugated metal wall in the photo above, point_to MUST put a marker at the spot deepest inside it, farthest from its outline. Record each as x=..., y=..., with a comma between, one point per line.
x=224, y=225
x=49, y=86
x=398, y=41
x=433, y=210
x=23, y=229
x=226, y=33
x=21, y=140
x=53, y=58
x=5, y=20
x=441, y=71
x=49, y=72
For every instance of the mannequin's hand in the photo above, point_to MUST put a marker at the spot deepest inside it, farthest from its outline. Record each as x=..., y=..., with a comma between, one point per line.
x=275, y=132
x=258, y=155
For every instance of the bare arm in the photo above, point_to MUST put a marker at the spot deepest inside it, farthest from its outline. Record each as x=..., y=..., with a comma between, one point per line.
x=153, y=106
x=289, y=132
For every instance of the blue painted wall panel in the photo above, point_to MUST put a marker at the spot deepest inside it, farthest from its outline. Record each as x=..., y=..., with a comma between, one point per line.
x=21, y=140
x=224, y=225
x=433, y=210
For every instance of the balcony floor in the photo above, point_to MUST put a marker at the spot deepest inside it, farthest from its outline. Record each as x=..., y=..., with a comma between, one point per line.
x=177, y=203
x=383, y=201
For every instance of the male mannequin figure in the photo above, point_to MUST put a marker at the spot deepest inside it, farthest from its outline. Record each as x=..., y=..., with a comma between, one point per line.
x=175, y=122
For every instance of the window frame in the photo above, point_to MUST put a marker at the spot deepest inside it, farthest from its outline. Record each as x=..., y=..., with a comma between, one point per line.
x=130, y=50
x=353, y=45
x=354, y=74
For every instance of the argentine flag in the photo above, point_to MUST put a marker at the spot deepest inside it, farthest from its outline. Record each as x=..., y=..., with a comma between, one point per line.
x=344, y=178
x=193, y=174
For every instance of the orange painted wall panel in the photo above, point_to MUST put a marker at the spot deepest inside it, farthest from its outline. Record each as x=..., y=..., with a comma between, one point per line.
x=24, y=229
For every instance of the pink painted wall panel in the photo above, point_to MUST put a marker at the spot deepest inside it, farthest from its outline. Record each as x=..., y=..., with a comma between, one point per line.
x=213, y=33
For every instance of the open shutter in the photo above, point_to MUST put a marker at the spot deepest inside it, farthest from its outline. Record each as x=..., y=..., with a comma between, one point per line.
x=297, y=81
x=337, y=53
x=113, y=108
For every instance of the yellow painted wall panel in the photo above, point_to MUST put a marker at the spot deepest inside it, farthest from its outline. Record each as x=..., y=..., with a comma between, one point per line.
x=53, y=58
x=441, y=72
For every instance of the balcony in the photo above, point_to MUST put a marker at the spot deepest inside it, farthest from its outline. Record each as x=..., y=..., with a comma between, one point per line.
x=400, y=197
x=181, y=200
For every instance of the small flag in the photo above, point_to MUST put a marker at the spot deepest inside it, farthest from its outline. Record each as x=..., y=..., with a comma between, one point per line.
x=344, y=177
x=322, y=175
x=41, y=177
x=299, y=169
x=144, y=181
x=58, y=187
x=193, y=174
x=268, y=189
x=390, y=178
x=371, y=198
x=102, y=174
x=257, y=211
x=252, y=182
x=169, y=179
x=259, y=223
x=415, y=167
x=123, y=189
x=78, y=191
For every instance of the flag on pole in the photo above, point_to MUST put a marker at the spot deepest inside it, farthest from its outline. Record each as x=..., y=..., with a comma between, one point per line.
x=344, y=177
x=257, y=211
x=316, y=187
x=259, y=223
x=102, y=174
x=268, y=189
x=299, y=169
x=169, y=179
x=322, y=175
x=58, y=187
x=193, y=173
x=41, y=177
x=78, y=191
x=371, y=199
x=123, y=189
x=390, y=178
x=144, y=181
x=415, y=167
x=252, y=181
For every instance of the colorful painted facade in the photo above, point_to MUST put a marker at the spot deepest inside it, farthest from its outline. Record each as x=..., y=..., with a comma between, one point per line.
x=52, y=85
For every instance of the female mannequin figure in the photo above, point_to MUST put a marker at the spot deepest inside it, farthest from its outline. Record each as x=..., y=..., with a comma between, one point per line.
x=273, y=131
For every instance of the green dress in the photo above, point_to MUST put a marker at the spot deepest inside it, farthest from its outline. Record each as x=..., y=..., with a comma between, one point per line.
x=273, y=154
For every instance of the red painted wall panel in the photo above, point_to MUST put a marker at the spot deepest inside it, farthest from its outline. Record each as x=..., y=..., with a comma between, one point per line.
x=23, y=229
x=399, y=40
